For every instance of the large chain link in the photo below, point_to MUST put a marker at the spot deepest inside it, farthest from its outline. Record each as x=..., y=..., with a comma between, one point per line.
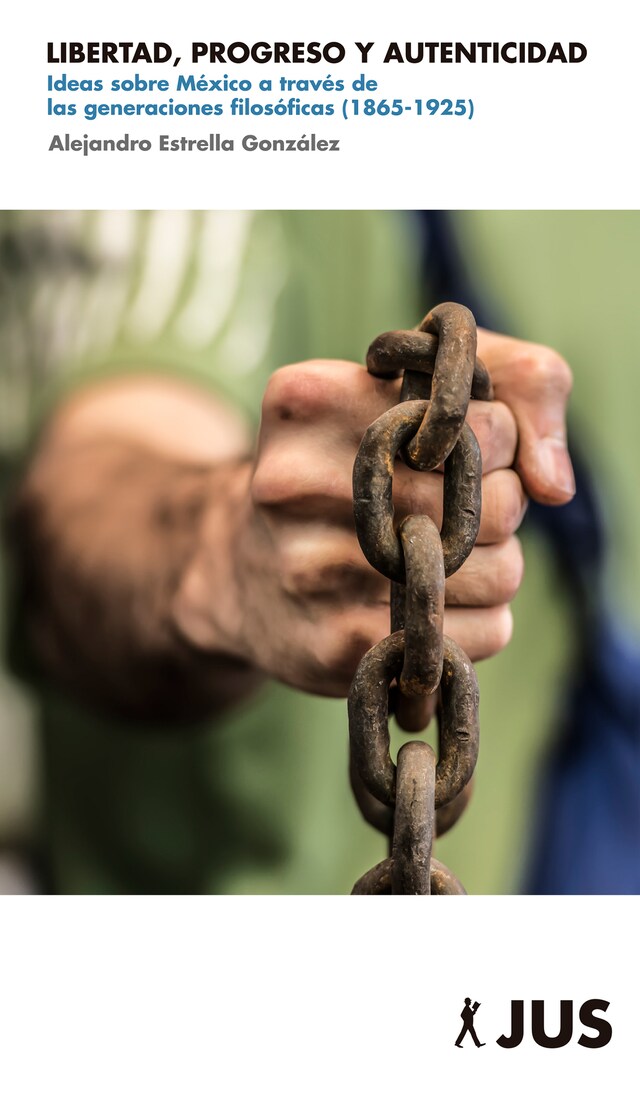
x=420, y=797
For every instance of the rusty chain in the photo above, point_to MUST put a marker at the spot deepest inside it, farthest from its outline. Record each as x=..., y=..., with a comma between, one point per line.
x=419, y=797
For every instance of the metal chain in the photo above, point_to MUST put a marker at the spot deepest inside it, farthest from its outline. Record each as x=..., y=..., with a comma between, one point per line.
x=420, y=797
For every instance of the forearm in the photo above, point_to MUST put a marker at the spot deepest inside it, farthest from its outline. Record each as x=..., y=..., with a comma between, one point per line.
x=104, y=530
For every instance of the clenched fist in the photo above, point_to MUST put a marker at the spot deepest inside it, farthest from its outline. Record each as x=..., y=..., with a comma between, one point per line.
x=294, y=595
x=165, y=570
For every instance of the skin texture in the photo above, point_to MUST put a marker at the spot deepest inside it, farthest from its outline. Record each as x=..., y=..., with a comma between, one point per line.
x=166, y=570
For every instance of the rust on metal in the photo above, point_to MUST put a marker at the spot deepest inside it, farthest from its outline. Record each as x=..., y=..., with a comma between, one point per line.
x=373, y=486
x=447, y=816
x=372, y=810
x=378, y=879
x=373, y=492
x=443, y=881
x=414, y=819
x=461, y=500
x=415, y=352
x=368, y=707
x=423, y=796
x=423, y=606
x=381, y=817
x=458, y=725
x=455, y=329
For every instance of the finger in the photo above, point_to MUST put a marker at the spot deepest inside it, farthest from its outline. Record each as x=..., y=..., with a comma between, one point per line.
x=414, y=713
x=504, y=502
x=336, y=401
x=291, y=482
x=318, y=562
x=481, y=633
x=535, y=383
x=338, y=639
x=287, y=482
x=490, y=576
x=310, y=392
x=496, y=431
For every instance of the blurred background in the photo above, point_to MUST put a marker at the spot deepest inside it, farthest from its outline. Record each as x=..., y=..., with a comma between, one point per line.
x=260, y=803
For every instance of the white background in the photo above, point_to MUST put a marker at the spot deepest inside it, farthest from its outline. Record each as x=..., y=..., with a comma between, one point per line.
x=544, y=136
x=300, y=995
x=316, y=995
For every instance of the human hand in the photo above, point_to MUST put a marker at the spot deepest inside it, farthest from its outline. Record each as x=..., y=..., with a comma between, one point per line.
x=535, y=383
x=294, y=594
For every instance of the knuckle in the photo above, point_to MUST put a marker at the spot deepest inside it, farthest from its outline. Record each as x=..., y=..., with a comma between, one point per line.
x=304, y=390
x=492, y=575
x=493, y=424
x=480, y=414
x=291, y=392
x=479, y=419
x=344, y=643
x=308, y=571
x=544, y=370
x=273, y=482
x=293, y=569
x=290, y=474
x=508, y=503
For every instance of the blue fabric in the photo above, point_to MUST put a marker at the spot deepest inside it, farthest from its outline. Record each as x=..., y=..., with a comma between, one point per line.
x=586, y=837
x=587, y=840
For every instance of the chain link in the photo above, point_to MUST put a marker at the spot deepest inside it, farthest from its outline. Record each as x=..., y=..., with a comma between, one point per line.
x=420, y=797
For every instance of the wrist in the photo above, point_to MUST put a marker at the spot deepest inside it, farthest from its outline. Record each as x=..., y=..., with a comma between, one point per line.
x=206, y=610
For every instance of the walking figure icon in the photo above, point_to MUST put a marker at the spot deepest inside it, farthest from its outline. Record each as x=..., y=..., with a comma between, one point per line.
x=467, y=1016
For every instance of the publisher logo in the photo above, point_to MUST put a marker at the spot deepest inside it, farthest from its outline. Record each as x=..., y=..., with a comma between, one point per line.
x=538, y=1021
x=468, y=1028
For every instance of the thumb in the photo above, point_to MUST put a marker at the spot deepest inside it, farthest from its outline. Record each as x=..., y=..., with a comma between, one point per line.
x=535, y=383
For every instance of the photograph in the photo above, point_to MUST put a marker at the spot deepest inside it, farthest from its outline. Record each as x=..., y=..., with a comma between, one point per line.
x=318, y=555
